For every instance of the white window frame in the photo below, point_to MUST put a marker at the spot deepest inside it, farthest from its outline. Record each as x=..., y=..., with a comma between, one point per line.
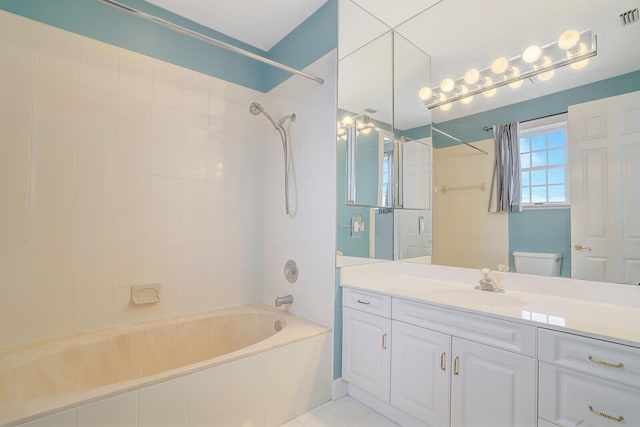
x=544, y=125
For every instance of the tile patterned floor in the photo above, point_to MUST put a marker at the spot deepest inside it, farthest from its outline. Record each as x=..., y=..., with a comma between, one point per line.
x=345, y=412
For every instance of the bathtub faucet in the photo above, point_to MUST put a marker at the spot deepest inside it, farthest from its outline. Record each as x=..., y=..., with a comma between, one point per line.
x=287, y=299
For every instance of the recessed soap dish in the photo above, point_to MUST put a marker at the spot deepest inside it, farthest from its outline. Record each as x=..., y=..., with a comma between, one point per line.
x=145, y=294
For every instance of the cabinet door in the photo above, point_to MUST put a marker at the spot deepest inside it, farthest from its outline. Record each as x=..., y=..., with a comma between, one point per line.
x=366, y=352
x=420, y=366
x=492, y=387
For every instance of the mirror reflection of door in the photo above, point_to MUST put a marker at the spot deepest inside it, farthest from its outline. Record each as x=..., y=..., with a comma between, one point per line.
x=604, y=138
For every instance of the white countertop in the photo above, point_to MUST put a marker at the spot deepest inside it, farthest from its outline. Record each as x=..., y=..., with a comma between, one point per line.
x=600, y=310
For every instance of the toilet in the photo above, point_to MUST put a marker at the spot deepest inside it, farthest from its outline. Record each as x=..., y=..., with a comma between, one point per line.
x=542, y=264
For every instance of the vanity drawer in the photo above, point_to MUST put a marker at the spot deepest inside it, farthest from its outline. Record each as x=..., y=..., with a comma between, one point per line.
x=607, y=360
x=497, y=333
x=368, y=302
x=569, y=398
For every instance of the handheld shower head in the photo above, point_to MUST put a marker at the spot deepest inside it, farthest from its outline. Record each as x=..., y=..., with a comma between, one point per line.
x=255, y=108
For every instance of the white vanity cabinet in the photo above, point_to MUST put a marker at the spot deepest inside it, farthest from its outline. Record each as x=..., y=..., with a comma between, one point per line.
x=488, y=378
x=588, y=382
x=420, y=373
x=366, y=349
x=444, y=367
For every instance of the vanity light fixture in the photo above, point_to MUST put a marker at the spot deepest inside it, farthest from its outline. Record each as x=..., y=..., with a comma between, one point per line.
x=573, y=48
x=361, y=123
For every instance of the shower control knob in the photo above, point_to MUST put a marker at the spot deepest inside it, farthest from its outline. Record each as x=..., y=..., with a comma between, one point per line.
x=291, y=271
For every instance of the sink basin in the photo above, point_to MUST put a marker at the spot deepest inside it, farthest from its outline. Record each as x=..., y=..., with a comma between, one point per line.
x=478, y=297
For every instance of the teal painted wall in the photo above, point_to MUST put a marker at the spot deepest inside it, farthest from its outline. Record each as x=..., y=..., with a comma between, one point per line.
x=537, y=230
x=337, y=329
x=102, y=22
x=315, y=37
x=542, y=230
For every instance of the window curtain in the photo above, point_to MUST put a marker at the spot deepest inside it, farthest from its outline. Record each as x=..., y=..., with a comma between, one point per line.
x=505, y=182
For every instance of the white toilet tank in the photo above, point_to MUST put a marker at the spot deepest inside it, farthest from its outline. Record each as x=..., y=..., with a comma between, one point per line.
x=542, y=264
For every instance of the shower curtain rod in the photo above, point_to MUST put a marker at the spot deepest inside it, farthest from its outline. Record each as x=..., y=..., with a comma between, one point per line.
x=208, y=39
x=457, y=139
x=490, y=128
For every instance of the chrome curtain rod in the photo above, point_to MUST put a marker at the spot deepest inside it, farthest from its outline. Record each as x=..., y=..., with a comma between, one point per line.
x=209, y=40
x=457, y=139
x=490, y=128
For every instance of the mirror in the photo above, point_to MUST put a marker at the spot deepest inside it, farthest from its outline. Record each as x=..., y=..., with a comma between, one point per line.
x=384, y=145
x=431, y=31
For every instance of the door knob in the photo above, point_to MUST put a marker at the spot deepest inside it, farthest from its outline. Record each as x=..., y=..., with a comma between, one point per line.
x=579, y=247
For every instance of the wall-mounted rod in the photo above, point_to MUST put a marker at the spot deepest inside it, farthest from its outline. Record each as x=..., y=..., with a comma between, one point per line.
x=456, y=139
x=208, y=39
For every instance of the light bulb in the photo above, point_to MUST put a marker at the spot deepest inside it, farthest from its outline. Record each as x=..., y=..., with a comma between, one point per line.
x=425, y=93
x=531, y=54
x=347, y=120
x=568, y=39
x=472, y=76
x=578, y=50
x=516, y=73
x=580, y=64
x=463, y=91
x=445, y=107
x=488, y=82
x=447, y=85
x=366, y=131
x=500, y=65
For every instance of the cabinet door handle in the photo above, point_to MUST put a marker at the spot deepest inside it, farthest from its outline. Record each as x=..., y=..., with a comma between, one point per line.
x=602, y=362
x=443, y=366
x=607, y=416
x=384, y=341
x=456, y=361
x=363, y=302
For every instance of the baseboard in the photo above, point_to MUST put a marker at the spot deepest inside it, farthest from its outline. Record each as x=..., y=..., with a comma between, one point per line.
x=384, y=408
x=339, y=389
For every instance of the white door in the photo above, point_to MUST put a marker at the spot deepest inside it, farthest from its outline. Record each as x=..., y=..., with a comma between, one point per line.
x=492, y=387
x=420, y=362
x=366, y=352
x=604, y=147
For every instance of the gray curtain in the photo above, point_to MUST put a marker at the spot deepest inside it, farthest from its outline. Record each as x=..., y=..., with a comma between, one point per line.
x=505, y=183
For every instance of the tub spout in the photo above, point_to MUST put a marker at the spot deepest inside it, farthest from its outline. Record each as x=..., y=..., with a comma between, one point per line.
x=287, y=299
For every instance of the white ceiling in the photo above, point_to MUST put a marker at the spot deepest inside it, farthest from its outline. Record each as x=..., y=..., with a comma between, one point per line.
x=259, y=23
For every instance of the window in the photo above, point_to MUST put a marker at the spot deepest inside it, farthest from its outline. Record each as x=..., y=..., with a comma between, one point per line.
x=544, y=162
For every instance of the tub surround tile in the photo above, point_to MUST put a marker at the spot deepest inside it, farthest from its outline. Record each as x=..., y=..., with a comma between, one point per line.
x=209, y=398
x=120, y=410
x=164, y=404
x=61, y=419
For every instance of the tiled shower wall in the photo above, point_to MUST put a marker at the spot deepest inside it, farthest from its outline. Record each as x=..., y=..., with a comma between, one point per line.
x=117, y=169
x=309, y=236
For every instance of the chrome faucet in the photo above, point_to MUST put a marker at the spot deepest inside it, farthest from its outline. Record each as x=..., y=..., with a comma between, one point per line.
x=287, y=299
x=487, y=283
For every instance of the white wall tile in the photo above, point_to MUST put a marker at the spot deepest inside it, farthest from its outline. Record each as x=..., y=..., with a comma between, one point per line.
x=18, y=56
x=49, y=315
x=61, y=419
x=99, y=65
x=120, y=410
x=136, y=76
x=209, y=398
x=97, y=109
x=167, y=84
x=53, y=162
x=92, y=309
x=15, y=152
x=164, y=404
x=93, y=269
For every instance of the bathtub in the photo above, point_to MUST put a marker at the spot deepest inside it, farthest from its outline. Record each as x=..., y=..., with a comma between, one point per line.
x=251, y=365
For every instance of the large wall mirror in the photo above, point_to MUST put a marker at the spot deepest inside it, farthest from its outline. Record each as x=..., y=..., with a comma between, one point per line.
x=384, y=141
x=463, y=233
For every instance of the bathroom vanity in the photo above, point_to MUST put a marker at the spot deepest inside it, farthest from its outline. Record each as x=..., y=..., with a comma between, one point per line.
x=423, y=347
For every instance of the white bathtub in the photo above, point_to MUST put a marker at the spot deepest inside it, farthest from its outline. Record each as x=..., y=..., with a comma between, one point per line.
x=218, y=368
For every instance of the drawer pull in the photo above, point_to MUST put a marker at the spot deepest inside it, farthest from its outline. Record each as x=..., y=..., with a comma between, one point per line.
x=363, y=302
x=384, y=341
x=455, y=366
x=607, y=416
x=443, y=366
x=602, y=362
